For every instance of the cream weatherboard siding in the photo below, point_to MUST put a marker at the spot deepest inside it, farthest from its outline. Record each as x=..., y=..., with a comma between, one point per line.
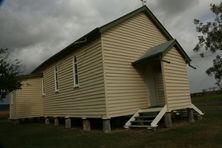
x=86, y=101
x=176, y=81
x=109, y=86
x=27, y=102
x=123, y=44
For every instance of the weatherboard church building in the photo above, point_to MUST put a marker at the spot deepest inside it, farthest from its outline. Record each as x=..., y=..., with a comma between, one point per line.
x=131, y=67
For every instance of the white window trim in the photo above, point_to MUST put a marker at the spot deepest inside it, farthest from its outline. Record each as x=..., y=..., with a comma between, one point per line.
x=75, y=85
x=56, y=80
x=43, y=92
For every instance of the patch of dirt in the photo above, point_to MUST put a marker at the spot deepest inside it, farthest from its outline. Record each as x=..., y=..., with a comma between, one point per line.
x=4, y=114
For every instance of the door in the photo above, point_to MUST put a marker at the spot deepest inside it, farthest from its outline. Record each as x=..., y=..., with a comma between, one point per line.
x=159, y=89
x=151, y=85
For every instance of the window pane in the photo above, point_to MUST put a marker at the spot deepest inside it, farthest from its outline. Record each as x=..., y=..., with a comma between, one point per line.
x=43, y=92
x=76, y=78
x=56, y=84
x=75, y=71
x=56, y=78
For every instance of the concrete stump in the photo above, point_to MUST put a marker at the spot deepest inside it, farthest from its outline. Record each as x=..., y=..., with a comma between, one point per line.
x=22, y=120
x=68, y=123
x=106, y=126
x=15, y=121
x=86, y=125
x=47, y=122
x=38, y=119
x=168, y=120
x=56, y=122
x=190, y=115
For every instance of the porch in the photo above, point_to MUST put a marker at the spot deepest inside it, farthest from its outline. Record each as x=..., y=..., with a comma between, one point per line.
x=163, y=69
x=149, y=118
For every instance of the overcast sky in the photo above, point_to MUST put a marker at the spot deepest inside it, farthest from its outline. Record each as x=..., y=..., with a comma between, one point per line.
x=34, y=30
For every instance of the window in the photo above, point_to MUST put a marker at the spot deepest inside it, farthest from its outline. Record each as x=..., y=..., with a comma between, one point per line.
x=43, y=92
x=56, y=78
x=11, y=98
x=75, y=72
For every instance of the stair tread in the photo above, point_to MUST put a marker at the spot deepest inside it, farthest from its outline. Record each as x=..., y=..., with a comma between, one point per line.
x=146, y=116
x=150, y=112
x=146, y=126
x=157, y=106
x=141, y=121
x=154, y=109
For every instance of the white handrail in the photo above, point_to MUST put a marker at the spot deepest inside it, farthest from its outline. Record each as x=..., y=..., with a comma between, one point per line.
x=159, y=117
x=128, y=123
x=197, y=109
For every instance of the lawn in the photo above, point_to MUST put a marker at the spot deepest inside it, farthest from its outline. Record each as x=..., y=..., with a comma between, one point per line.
x=203, y=133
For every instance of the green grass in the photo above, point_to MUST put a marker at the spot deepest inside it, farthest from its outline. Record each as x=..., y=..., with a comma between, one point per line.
x=203, y=133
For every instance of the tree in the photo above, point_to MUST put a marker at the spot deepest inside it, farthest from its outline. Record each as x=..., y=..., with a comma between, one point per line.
x=9, y=70
x=216, y=70
x=210, y=39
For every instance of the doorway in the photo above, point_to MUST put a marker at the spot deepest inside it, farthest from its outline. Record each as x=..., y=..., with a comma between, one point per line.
x=154, y=82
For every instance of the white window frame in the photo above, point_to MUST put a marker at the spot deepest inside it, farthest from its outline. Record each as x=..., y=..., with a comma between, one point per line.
x=56, y=85
x=11, y=98
x=43, y=92
x=75, y=72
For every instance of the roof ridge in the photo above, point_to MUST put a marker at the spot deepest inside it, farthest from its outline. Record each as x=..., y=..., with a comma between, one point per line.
x=155, y=51
x=97, y=32
x=134, y=12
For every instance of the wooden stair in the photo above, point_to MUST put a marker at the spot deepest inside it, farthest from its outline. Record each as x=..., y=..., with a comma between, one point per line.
x=150, y=117
x=146, y=118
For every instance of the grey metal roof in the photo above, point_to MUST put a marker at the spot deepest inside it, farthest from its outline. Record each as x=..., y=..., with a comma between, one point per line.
x=158, y=50
x=97, y=32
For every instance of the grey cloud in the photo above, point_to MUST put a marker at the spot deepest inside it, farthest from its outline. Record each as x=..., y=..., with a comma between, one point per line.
x=198, y=78
x=36, y=29
x=174, y=7
x=47, y=26
x=178, y=19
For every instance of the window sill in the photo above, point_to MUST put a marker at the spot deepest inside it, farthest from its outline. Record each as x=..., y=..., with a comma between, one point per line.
x=76, y=86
